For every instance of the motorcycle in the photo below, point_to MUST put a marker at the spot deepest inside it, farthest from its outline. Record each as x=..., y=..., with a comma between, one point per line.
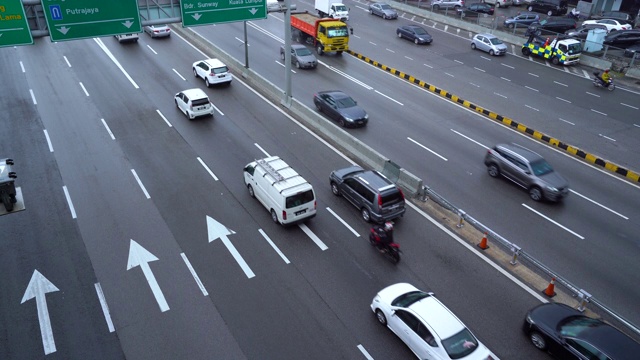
x=390, y=250
x=597, y=82
x=574, y=14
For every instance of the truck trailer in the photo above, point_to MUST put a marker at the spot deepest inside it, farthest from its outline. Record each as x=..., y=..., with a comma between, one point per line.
x=326, y=35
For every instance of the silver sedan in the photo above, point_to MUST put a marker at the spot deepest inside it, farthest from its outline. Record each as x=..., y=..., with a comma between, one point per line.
x=383, y=10
x=158, y=30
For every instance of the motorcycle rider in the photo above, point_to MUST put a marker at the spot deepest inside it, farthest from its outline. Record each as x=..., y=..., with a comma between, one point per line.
x=605, y=77
x=575, y=13
x=385, y=235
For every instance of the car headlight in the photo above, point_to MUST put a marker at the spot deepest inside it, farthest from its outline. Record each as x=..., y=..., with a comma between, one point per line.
x=366, y=116
x=528, y=319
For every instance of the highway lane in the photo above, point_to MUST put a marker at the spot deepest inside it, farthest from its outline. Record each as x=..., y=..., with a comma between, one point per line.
x=613, y=195
x=250, y=311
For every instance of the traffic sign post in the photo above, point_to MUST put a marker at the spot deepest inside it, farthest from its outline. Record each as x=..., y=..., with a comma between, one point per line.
x=80, y=19
x=197, y=12
x=14, y=28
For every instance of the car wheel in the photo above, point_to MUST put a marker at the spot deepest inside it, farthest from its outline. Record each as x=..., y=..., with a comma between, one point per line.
x=195, y=73
x=511, y=26
x=384, y=17
x=341, y=122
x=206, y=82
x=436, y=7
x=320, y=50
x=491, y=52
x=549, y=13
x=473, y=46
x=253, y=194
x=381, y=318
x=530, y=8
x=526, y=51
x=366, y=216
x=370, y=11
x=274, y=217
x=282, y=56
x=335, y=189
x=416, y=41
x=493, y=170
x=535, y=193
x=297, y=64
x=538, y=340
x=555, y=61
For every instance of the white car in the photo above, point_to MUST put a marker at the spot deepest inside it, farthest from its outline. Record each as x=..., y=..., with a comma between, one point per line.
x=194, y=103
x=426, y=326
x=213, y=71
x=612, y=25
x=158, y=30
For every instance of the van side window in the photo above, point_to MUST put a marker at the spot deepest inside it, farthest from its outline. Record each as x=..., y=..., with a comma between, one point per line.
x=250, y=169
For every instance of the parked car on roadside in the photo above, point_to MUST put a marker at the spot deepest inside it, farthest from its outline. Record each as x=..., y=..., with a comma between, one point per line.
x=475, y=10
x=554, y=25
x=446, y=4
x=500, y=3
x=489, y=43
x=383, y=10
x=528, y=170
x=582, y=31
x=522, y=20
x=616, y=15
x=549, y=7
x=340, y=107
x=623, y=38
x=611, y=24
x=301, y=57
x=415, y=33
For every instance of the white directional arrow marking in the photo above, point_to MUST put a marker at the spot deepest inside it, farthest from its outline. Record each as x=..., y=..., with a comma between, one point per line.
x=127, y=24
x=64, y=30
x=253, y=11
x=139, y=256
x=196, y=16
x=37, y=288
x=217, y=230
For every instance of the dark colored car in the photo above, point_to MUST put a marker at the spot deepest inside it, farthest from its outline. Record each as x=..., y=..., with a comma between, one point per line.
x=632, y=50
x=475, y=10
x=549, y=7
x=568, y=334
x=521, y=20
x=415, y=33
x=378, y=198
x=582, y=31
x=554, y=25
x=341, y=108
x=623, y=38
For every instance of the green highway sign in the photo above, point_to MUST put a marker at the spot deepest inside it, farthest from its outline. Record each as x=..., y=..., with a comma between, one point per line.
x=206, y=12
x=14, y=28
x=80, y=19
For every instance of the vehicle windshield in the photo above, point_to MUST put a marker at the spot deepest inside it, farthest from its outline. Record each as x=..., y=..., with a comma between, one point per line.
x=460, y=344
x=341, y=8
x=574, y=326
x=574, y=49
x=337, y=31
x=541, y=167
x=409, y=298
x=385, y=7
x=419, y=31
x=303, y=52
x=346, y=102
x=495, y=41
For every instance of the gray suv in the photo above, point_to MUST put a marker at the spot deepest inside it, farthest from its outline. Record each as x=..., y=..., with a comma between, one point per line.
x=377, y=198
x=527, y=169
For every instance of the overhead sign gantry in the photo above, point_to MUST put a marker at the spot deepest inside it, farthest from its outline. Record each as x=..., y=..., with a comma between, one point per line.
x=14, y=28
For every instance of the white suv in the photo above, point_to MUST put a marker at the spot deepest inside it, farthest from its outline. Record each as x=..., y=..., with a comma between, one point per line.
x=213, y=71
x=500, y=3
x=446, y=4
x=194, y=103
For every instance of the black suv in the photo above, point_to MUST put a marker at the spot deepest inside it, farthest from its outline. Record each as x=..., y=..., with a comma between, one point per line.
x=554, y=25
x=549, y=7
x=377, y=198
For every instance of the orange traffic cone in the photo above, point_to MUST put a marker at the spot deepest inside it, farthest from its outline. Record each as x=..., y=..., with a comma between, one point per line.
x=483, y=243
x=549, y=290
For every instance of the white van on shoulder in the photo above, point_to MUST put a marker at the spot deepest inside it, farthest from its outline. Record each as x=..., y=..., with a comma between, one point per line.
x=286, y=195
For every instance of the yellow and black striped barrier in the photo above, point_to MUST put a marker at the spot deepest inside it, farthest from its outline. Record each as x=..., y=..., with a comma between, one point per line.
x=629, y=174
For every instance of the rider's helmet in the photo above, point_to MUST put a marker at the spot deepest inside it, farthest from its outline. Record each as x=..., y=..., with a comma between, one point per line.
x=388, y=226
x=606, y=71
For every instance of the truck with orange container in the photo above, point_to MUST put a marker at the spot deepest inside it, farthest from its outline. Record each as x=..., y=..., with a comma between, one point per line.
x=325, y=34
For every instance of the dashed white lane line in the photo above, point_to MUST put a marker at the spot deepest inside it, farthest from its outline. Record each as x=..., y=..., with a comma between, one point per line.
x=372, y=43
x=599, y=112
x=24, y=71
x=261, y=149
x=561, y=84
x=164, y=118
x=470, y=139
x=343, y=222
x=449, y=74
x=474, y=85
x=554, y=222
x=567, y=121
x=505, y=79
x=530, y=88
x=509, y=66
x=627, y=105
x=364, y=352
x=108, y=130
x=105, y=307
x=429, y=66
x=194, y=274
x=153, y=51
x=177, y=73
x=33, y=97
x=531, y=107
x=458, y=61
x=478, y=69
x=46, y=135
x=607, y=137
x=144, y=190
x=408, y=58
x=274, y=246
x=313, y=237
x=207, y=168
x=500, y=95
x=598, y=204
x=486, y=58
x=68, y=197
x=66, y=60
x=592, y=94
x=84, y=89
x=534, y=75
x=565, y=100
x=391, y=51
x=426, y=148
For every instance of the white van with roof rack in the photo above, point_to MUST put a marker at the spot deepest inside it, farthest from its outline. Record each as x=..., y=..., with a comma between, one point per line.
x=288, y=197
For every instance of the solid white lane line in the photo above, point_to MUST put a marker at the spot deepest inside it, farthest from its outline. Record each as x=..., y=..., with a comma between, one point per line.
x=633, y=107
x=33, y=97
x=105, y=307
x=530, y=88
x=532, y=108
x=395, y=101
x=426, y=148
x=164, y=118
x=347, y=76
x=509, y=66
x=150, y=48
x=83, y=89
x=477, y=68
x=559, y=83
x=65, y=59
x=568, y=122
x=313, y=237
x=115, y=61
x=343, y=222
x=599, y=112
x=140, y=183
x=22, y=66
x=207, y=168
x=261, y=149
x=470, y=139
x=554, y=222
x=602, y=206
x=177, y=73
x=108, y=130
x=561, y=99
x=362, y=349
x=66, y=195
x=264, y=235
x=46, y=135
x=195, y=276
x=606, y=137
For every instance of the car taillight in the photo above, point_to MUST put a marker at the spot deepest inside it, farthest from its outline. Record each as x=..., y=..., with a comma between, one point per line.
x=379, y=201
x=211, y=74
x=401, y=193
x=315, y=205
x=284, y=215
x=156, y=31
